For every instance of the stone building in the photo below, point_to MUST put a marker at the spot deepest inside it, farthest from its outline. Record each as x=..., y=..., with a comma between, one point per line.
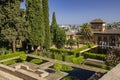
x=102, y=35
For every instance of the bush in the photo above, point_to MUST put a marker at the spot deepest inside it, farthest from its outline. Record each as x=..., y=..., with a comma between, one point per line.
x=69, y=58
x=78, y=60
x=23, y=57
x=90, y=45
x=58, y=57
x=57, y=66
x=103, y=66
x=11, y=55
x=94, y=55
x=36, y=61
x=9, y=62
x=66, y=68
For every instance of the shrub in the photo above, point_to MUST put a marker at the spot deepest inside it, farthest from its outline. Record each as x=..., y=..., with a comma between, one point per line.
x=57, y=66
x=23, y=57
x=66, y=68
x=94, y=55
x=103, y=66
x=91, y=45
x=69, y=58
x=58, y=57
x=9, y=62
x=11, y=55
x=78, y=60
x=36, y=61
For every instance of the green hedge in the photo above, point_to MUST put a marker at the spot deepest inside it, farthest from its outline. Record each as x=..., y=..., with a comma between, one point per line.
x=78, y=60
x=103, y=66
x=53, y=50
x=94, y=55
x=69, y=58
x=11, y=55
x=58, y=57
x=9, y=62
x=36, y=61
x=66, y=68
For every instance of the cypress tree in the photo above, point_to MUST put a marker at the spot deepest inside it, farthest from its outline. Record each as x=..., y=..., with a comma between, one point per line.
x=45, y=6
x=36, y=22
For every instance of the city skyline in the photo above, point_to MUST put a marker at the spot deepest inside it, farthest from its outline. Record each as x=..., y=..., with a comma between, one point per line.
x=82, y=11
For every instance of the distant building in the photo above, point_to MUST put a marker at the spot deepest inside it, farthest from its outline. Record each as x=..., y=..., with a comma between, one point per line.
x=103, y=36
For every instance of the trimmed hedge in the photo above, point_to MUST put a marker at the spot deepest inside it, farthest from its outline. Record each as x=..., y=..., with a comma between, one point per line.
x=58, y=57
x=103, y=66
x=36, y=61
x=69, y=58
x=11, y=55
x=78, y=60
x=66, y=68
x=94, y=55
x=9, y=62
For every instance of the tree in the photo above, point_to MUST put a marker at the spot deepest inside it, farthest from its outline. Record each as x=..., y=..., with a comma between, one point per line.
x=53, y=27
x=60, y=38
x=86, y=31
x=13, y=25
x=35, y=19
x=71, y=42
x=45, y=6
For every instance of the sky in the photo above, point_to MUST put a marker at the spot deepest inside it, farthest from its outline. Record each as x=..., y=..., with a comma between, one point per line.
x=82, y=11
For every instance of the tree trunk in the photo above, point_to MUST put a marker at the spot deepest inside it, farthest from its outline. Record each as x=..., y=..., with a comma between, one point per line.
x=13, y=46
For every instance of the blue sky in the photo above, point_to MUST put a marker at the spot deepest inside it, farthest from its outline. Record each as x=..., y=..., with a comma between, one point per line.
x=82, y=11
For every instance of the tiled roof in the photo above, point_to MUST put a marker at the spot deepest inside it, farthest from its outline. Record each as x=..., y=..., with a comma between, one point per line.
x=111, y=31
x=97, y=21
x=113, y=74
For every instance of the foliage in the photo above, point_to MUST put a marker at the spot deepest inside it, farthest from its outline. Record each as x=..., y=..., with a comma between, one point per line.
x=78, y=60
x=11, y=55
x=35, y=19
x=3, y=51
x=66, y=68
x=69, y=58
x=13, y=24
x=112, y=57
x=57, y=66
x=103, y=66
x=59, y=38
x=36, y=61
x=86, y=31
x=94, y=55
x=45, y=6
x=23, y=57
x=71, y=42
x=9, y=62
x=58, y=57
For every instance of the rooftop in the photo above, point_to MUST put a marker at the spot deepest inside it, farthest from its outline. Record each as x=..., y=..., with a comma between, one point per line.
x=97, y=21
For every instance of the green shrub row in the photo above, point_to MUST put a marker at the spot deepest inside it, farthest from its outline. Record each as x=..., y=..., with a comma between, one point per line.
x=78, y=60
x=94, y=55
x=58, y=57
x=69, y=58
x=11, y=55
x=36, y=61
x=103, y=66
x=9, y=62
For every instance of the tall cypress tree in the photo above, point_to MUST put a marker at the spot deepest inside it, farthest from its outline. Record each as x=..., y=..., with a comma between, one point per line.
x=13, y=22
x=35, y=19
x=45, y=6
x=53, y=27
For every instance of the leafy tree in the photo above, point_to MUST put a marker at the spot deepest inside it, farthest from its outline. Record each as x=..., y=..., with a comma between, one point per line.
x=35, y=19
x=71, y=42
x=45, y=6
x=86, y=31
x=12, y=24
x=60, y=38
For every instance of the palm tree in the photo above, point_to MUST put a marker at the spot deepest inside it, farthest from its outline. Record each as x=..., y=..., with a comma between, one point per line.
x=87, y=32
